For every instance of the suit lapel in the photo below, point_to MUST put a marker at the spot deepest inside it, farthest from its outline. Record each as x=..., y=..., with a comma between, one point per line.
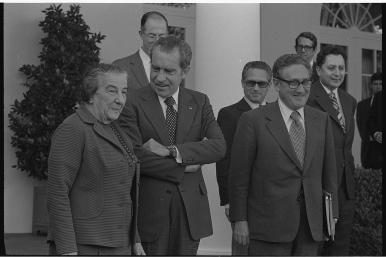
x=186, y=112
x=311, y=122
x=324, y=101
x=153, y=111
x=136, y=66
x=344, y=102
x=243, y=106
x=278, y=129
x=87, y=117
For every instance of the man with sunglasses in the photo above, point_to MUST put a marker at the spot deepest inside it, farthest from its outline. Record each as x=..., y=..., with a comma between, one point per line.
x=153, y=26
x=255, y=80
x=327, y=96
x=305, y=46
x=282, y=159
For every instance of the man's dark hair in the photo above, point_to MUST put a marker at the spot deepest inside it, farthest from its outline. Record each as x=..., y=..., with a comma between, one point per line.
x=152, y=14
x=376, y=76
x=256, y=65
x=288, y=60
x=329, y=50
x=169, y=43
x=308, y=35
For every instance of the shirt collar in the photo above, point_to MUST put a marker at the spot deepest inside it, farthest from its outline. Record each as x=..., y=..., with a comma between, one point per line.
x=328, y=91
x=144, y=55
x=252, y=104
x=286, y=112
x=175, y=97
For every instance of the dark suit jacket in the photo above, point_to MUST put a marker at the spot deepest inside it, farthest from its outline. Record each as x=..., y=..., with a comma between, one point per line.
x=266, y=177
x=362, y=116
x=136, y=75
x=343, y=140
x=89, y=177
x=375, y=119
x=143, y=119
x=227, y=120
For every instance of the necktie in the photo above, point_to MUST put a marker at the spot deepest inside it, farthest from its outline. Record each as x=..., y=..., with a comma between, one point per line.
x=339, y=113
x=171, y=119
x=298, y=136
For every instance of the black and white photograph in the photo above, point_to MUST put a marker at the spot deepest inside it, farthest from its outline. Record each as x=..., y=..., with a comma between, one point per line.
x=197, y=128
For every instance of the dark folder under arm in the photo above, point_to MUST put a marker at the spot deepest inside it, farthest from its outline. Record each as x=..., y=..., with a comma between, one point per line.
x=328, y=215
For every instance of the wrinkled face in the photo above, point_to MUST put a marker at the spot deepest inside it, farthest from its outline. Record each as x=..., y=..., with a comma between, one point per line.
x=332, y=71
x=293, y=98
x=166, y=74
x=154, y=28
x=109, y=99
x=304, y=48
x=376, y=86
x=255, y=85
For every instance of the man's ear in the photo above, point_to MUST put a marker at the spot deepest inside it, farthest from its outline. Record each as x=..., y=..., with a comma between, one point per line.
x=318, y=70
x=186, y=71
x=275, y=83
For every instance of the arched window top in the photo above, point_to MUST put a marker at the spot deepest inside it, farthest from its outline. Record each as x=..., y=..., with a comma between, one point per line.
x=365, y=17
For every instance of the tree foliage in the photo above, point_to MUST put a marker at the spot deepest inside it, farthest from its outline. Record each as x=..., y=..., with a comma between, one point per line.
x=68, y=48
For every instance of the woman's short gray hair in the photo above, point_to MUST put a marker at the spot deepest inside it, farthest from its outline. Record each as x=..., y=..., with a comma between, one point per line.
x=90, y=80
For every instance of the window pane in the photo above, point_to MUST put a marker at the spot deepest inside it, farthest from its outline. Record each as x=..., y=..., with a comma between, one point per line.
x=365, y=87
x=367, y=61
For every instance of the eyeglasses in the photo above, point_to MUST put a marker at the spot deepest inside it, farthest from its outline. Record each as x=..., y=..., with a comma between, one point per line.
x=294, y=84
x=306, y=48
x=153, y=36
x=251, y=84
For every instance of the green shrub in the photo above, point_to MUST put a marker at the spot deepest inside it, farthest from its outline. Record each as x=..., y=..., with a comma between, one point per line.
x=67, y=49
x=366, y=238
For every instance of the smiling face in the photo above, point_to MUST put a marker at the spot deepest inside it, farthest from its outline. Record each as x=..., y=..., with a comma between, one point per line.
x=293, y=98
x=332, y=71
x=110, y=97
x=255, y=93
x=166, y=73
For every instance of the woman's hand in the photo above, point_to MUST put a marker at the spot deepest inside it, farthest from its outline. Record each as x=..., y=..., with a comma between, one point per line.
x=138, y=249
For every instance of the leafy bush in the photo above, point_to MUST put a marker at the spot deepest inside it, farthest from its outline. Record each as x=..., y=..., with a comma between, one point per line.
x=68, y=49
x=366, y=238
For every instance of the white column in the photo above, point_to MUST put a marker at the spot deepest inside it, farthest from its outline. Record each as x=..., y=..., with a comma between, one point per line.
x=227, y=37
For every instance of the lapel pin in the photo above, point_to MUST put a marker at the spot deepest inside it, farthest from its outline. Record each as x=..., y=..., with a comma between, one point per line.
x=190, y=108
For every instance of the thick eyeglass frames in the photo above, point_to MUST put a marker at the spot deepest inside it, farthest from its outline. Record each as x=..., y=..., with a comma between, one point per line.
x=294, y=84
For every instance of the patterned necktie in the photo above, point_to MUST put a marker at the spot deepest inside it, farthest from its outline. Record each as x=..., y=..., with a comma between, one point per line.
x=298, y=136
x=339, y=113
x=171, y=119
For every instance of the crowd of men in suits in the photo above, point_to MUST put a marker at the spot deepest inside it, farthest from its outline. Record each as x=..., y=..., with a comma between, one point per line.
x=273, y=160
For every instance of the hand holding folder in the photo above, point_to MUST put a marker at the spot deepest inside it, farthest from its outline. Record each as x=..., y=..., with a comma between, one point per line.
x=328, y=215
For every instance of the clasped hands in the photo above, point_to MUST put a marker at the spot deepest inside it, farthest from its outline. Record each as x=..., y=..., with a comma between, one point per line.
x=161, y=150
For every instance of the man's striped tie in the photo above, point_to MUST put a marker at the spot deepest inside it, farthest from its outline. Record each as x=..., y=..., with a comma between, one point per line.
x=339, y=112
x=298, y=136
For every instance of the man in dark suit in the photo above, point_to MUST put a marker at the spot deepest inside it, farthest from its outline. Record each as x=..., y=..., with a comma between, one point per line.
x=340, y=106
x=376, y=128
x=255, y=80
x=370, y=150
x=282, y=160
x=153, y=26
x=305, y=46
x=175, y=132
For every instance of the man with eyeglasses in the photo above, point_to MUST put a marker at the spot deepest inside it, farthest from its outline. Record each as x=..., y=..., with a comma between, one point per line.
x=282, y=159
x=327, y=96
x=305, y=46
x=255, y=80
x=153, y=26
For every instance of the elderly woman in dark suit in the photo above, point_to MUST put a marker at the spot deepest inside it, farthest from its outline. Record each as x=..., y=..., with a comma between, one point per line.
x=93, y=174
